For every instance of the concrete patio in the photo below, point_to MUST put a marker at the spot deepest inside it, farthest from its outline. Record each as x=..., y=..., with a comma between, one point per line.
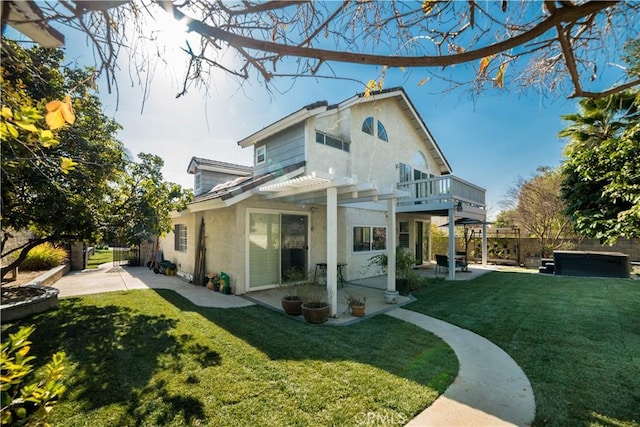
x=371, y=288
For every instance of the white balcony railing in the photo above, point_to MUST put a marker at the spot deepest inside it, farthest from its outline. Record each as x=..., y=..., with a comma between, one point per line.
x=442, y=190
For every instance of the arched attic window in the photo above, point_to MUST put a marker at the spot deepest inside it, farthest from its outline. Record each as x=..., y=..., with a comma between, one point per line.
x=382, y=132
x=367, y=125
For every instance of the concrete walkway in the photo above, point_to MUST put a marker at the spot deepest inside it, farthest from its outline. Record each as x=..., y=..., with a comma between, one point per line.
x=108, y=278
x=490, y=389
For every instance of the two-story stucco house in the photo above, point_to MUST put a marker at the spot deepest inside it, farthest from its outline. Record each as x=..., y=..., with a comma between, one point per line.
x=332, y=184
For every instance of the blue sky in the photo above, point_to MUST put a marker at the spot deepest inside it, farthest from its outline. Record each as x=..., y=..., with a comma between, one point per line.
x=490, y=139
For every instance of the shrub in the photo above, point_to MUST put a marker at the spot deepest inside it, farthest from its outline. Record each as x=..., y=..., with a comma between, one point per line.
x=24, y=399
x=44, y=257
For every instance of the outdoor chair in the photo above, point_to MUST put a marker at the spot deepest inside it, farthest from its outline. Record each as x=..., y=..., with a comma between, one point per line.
x=463, y=264
x=442, y=261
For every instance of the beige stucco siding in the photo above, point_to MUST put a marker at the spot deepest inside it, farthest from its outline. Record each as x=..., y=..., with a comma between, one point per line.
x=370, y=158
x=323, y=158
x=226, y=238
x=358, y=262
x=184, y=260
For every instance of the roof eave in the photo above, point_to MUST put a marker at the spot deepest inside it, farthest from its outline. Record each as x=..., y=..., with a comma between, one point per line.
x=282, y=124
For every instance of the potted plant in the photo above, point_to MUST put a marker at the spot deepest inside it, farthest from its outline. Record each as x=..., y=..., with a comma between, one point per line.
x=356, y=304
x=315, y=308
x=292, y=301
x=404, y=263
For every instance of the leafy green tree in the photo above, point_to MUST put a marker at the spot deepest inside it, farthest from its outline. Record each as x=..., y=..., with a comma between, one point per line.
x=67, y=182
x=503, y=219
x=54, y=183
x=536, y=206
x=602, y=169
x=144, y=202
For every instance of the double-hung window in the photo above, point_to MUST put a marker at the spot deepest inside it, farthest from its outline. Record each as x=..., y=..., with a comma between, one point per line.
x=180, y=236
x=261, y=154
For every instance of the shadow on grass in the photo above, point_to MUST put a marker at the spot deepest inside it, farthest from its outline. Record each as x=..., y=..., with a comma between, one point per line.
x=138, y=359
x=115, y=352
x=380, y=341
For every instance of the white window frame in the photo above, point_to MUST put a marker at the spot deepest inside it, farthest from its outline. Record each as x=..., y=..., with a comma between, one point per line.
x=180, y=242
x=371, y=239
x=261, y=152
x=197, y=181
x=323, y=138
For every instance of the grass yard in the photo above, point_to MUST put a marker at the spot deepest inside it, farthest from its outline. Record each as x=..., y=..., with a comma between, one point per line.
x=100, y=256
x=577, y=339
x=149, y=357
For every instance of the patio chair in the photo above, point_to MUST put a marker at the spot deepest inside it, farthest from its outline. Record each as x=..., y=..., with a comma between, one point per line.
x=463, y=264
x=442, y=261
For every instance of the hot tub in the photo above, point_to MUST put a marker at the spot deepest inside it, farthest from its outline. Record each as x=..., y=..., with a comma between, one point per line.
x=592, y=264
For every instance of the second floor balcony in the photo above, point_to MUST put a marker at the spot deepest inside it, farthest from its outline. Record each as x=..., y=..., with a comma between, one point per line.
x=439, y=194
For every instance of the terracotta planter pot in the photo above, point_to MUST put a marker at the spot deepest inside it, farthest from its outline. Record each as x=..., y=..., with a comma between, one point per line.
x=357, y=310
x=292, y=305
x=315, y=312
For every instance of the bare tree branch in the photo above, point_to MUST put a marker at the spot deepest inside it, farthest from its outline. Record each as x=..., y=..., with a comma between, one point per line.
x=552, y=46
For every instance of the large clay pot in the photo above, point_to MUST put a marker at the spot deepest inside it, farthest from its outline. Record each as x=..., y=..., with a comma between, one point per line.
x=292, y=305
x=357, y=310
x=315, y=312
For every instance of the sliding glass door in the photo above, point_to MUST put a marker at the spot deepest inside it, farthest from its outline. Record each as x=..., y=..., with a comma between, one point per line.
x=278, y=246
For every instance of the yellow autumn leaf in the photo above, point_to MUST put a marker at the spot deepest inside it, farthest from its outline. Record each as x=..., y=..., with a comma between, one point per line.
x=30, y=127
x=46, y=139
x=500, y=75
x=7, y=130
x=423, y=81
x=67, y=164
x=54, y=119
x=60, y=113
x=427, y=6
x=372, y=86
x=7, y=113
x=484, y=64
x=67, y=110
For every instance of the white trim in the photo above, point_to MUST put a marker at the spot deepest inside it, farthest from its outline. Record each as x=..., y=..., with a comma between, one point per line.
x=280, y=125
x=371, y=227
x=197, y=181
x=263, y=149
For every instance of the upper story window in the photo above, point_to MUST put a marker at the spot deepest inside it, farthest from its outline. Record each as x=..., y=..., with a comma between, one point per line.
x=382, y=132
x=367, y=127
x=261, y=154
x=331, y=141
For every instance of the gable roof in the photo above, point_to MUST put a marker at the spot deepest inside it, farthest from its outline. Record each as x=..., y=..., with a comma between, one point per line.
x=397, y=93
x=232, y=191
x=200, y=163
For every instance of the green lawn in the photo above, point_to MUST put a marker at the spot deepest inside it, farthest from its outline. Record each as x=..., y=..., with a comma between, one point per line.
x=100, y=256
x=577, y=339
x=150, y=357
